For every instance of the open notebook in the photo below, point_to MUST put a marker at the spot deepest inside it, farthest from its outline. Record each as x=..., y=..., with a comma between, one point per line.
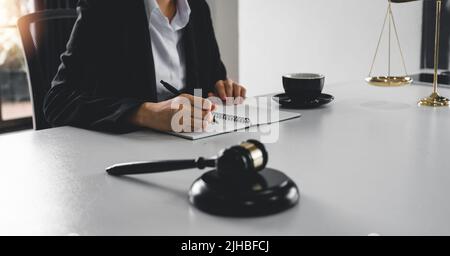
x=237, y=117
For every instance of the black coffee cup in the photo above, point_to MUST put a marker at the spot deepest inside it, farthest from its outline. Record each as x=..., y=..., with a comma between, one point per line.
x=303, y=86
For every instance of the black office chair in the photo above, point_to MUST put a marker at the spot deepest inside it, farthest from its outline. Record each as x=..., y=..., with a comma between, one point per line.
x=44, y=37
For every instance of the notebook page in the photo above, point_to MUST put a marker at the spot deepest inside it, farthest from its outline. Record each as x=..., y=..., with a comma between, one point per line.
x=235, y=113
x=253, y=115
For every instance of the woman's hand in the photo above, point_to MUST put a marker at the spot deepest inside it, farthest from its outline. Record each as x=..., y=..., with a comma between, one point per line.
x=185, y=113
x=229, y=91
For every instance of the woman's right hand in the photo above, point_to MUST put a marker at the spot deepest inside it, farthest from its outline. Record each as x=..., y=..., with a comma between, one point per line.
x=185, y=113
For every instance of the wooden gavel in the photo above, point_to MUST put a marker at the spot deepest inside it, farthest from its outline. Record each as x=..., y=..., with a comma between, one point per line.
x=247, y=158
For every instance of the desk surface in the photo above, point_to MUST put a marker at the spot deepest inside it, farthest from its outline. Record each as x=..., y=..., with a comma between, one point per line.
x=365, y=164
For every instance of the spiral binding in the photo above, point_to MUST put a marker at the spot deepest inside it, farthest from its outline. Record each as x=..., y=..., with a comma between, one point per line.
x=232, y=118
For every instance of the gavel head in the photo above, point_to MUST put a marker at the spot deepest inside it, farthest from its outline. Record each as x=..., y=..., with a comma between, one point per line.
x=249, y=157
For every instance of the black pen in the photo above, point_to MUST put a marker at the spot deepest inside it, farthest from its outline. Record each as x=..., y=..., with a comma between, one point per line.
x=170, y=88
x=177, y=93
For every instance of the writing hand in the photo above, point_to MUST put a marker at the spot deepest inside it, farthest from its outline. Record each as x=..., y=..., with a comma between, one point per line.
x=185, y=113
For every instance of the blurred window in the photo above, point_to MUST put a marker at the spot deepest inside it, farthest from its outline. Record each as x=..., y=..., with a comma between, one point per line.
x=15, y=105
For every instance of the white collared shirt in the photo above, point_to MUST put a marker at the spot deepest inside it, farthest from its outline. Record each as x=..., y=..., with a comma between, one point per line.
x=168, y=50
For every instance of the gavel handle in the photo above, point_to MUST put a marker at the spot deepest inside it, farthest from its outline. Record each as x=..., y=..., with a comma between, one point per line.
x=157, y=167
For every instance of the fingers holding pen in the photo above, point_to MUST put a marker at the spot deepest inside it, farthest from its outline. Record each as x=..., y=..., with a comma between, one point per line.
x=185, y=113
x=195, y=114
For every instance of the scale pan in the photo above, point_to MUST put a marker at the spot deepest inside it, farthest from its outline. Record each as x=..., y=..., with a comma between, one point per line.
x=389, y=81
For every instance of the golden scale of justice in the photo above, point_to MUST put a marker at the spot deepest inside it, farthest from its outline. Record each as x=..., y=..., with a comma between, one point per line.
x=434, y=100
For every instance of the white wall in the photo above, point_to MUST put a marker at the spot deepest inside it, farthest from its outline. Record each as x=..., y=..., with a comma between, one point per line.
x=226, y=20
x=334, y=37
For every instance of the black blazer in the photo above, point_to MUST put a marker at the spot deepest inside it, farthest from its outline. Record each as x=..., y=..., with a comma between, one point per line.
x=108, y=71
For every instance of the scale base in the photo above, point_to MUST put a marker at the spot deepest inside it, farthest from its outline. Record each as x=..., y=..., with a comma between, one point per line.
x=267, y=192
x=435, y=100
x=389, y=81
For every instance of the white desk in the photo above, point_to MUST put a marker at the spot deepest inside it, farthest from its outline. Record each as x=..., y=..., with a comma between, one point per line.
x=365, y=164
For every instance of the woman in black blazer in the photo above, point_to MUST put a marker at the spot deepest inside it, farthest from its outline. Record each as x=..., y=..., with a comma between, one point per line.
x=107, y=77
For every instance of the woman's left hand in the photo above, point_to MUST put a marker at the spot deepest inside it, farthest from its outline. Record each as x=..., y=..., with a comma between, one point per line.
x=228, y=90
